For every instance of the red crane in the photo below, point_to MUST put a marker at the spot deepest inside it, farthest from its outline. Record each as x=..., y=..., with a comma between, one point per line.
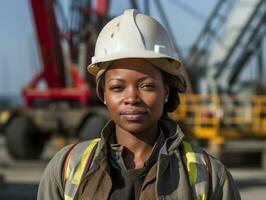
x=53, y=70
x=62, y=107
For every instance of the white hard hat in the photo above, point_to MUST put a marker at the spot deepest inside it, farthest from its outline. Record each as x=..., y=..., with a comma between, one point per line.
x=134, y=35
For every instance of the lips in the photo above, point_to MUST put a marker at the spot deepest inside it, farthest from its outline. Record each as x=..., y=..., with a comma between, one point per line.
x=134, y=115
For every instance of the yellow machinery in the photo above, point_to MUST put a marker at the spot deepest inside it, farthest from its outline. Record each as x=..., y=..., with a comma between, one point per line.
x=217, y=118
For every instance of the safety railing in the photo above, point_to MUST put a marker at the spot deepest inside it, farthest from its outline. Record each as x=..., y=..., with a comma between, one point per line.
x=221, y=116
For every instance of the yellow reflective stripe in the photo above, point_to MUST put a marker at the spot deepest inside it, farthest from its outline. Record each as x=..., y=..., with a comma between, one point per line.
x=80, y=168
x=191, y=163
x=66, y=197
x=68, y=171
x=202, y=197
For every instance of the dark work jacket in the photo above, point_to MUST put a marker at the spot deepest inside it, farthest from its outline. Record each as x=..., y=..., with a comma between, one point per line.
x=166, y=180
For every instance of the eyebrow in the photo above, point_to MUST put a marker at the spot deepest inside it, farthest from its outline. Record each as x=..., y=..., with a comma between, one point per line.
x=115, y=79
x=145, y=77
x=139, y=80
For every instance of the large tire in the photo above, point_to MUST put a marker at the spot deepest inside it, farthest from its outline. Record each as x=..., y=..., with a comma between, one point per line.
x=92, y=127
x=23, y=139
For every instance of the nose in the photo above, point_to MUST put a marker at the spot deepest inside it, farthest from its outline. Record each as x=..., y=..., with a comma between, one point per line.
x=132, y=96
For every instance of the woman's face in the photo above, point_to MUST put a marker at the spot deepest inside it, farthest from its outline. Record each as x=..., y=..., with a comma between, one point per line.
x=134, y=94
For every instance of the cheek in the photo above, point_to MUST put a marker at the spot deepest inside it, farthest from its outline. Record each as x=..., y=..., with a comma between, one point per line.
x=154, y=101
x=112, y=101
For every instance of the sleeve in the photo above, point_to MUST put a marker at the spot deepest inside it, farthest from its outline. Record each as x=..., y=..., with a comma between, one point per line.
x=223, y=185
x=230, y=189
x=51, y=183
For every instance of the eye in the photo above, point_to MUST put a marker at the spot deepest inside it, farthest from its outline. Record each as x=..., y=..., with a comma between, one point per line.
x=116, y=88
x=148, y=86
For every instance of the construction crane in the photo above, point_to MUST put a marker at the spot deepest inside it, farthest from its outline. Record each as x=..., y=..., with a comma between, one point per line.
x=232, y=34
x=67, y=105
x=222, y=107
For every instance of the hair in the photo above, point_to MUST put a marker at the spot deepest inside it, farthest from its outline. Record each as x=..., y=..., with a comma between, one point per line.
x=177, y=84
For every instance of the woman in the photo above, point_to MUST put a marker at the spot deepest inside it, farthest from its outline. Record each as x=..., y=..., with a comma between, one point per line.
x=141, y=153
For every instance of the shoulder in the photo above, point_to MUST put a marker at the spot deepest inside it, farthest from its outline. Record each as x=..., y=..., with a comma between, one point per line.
x=223, y=185
x=52, y=179
x=219, y=172
x=221, y=182
x=52, y=184
x=56, y=164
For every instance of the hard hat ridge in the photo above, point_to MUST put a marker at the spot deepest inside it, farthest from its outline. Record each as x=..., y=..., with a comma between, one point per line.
x=134, y=35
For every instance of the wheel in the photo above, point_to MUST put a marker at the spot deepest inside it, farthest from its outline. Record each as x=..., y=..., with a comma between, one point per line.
x=92, y=127
x=23, y=139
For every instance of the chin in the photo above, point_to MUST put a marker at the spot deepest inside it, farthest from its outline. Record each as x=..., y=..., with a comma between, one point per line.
x=134, y=127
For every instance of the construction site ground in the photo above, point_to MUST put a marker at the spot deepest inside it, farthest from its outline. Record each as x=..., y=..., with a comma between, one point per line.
x=19, y=179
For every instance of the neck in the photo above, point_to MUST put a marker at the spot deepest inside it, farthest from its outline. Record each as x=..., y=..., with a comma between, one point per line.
x=138, y=146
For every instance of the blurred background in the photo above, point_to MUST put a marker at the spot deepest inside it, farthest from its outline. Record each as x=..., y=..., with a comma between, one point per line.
x=47, y=100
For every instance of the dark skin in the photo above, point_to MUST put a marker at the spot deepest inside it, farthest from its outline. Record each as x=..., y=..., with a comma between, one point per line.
x=134, y=93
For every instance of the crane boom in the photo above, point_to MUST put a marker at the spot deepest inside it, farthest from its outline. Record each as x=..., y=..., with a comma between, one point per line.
x=49, y=42
x=54, y=69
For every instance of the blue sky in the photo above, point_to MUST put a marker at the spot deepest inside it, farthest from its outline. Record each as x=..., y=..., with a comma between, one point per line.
x=18, y=49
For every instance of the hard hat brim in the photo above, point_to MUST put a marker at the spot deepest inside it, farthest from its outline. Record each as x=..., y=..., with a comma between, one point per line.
x=165, y=63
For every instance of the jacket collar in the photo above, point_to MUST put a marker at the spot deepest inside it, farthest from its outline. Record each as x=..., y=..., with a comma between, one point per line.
x=173, y=135
x=172, y=132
